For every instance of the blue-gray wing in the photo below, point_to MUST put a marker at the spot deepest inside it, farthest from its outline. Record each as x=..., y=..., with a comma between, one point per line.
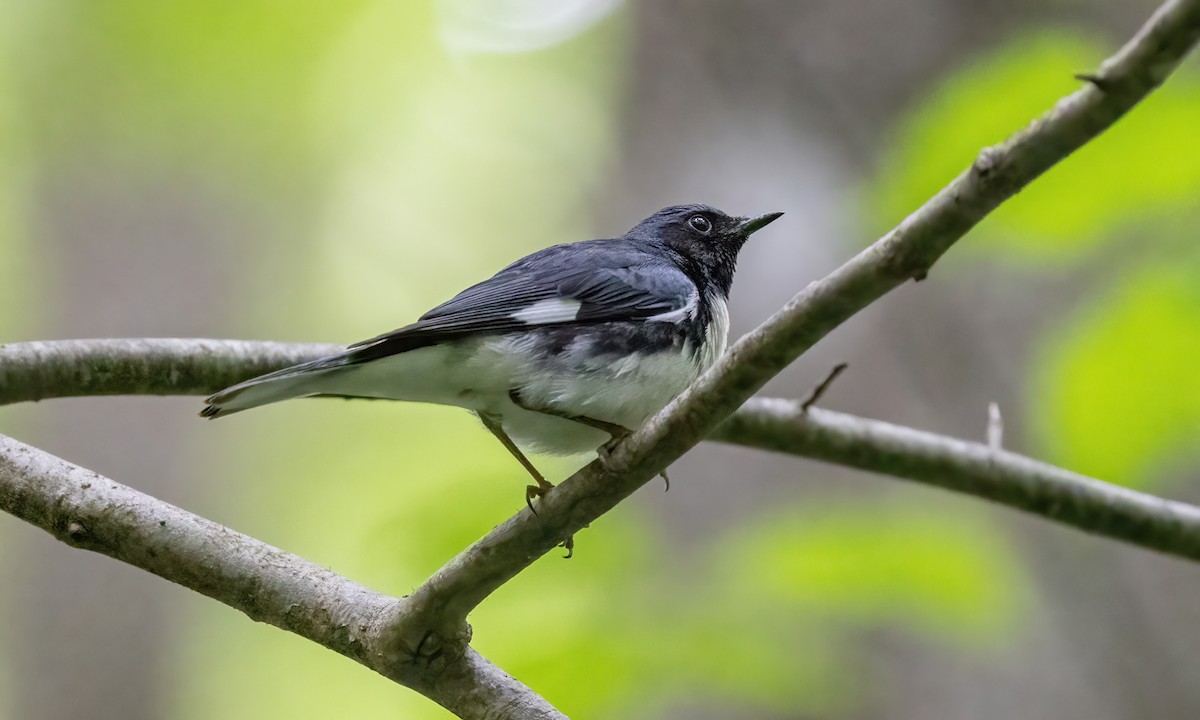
x=582, y=283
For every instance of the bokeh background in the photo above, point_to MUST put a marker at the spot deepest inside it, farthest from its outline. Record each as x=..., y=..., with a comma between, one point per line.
x=327, y=171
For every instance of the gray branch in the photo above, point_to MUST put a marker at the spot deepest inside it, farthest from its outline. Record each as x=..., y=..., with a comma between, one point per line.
x=33, y=371
x=421, y=641
x=91, y=512
x=970, y=468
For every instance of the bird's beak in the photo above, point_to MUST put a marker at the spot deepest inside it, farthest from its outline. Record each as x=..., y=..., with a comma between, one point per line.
x=753, y=225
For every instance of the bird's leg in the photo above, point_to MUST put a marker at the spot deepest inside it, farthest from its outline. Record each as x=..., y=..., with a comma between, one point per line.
x=616, y=432
x=531, y=491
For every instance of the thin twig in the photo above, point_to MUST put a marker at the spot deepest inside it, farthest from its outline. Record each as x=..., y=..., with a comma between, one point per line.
x=995, y=427
x=819, y=390
x=1099, y=82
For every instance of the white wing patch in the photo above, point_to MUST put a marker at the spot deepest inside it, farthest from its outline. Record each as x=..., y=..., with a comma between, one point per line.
x=686, y=312
x=548, y=311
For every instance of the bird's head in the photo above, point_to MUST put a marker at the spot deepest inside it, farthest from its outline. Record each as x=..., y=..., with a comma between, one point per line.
x=706, y=239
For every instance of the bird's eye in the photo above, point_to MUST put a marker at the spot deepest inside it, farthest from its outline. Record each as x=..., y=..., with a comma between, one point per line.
x=700, y=224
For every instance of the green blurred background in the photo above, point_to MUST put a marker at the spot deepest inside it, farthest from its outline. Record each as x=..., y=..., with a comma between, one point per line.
x=327, y=171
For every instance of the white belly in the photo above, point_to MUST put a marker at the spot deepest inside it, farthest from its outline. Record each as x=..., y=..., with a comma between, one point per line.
x=625, y=391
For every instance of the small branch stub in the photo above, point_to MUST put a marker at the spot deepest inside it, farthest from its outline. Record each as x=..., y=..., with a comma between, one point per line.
x=1099, y=82
x=76, y=532
x=819, y=390
x=995, y=427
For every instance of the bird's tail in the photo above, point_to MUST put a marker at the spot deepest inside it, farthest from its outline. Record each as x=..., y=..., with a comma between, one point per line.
x=291, y=382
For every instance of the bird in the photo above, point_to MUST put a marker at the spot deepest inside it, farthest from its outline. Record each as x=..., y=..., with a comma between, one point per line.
x=565, y=351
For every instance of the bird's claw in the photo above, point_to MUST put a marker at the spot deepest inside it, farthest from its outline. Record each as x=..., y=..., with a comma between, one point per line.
x=569, y=544
x=619, y=435
x=536, y=491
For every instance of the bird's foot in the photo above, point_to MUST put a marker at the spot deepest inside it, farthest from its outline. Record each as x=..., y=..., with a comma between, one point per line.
x=536, y=491
x=618, y=435
x=568, y=543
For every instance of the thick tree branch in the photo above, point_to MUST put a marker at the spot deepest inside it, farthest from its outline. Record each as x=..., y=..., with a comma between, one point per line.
x=88, y=511
x=966, y=467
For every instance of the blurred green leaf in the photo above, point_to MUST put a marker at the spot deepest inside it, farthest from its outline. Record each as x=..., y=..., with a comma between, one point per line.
x=187, y=84
x=1117, y=392
x=647, y=633
x=941, y=574
x=1148, y=163
x=746, y=655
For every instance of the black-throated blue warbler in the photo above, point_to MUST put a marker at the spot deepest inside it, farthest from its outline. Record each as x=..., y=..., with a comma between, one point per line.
x=559, y=352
